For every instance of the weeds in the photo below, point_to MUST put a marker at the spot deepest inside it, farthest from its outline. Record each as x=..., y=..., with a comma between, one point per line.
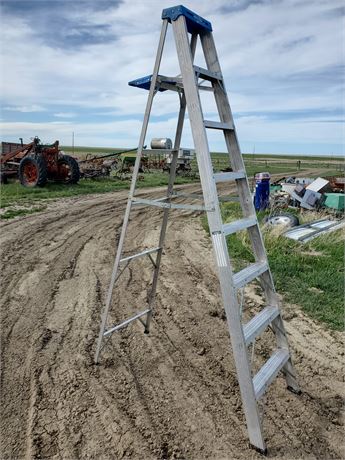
x=11, y=213
x=310, y=274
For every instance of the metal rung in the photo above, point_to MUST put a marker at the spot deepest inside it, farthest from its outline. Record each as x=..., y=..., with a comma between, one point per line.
x=206, y=74
x=205, y=88
x=258, y=324
x=249, y=273
x=269, y=371
x=217, y=125
x=125, y=323
x=238, y=225
x=140, y=254
x=227, y=176
x=160, y=204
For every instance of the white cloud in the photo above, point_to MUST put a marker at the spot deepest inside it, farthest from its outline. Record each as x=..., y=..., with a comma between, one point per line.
x=26, y=108
x=65, y=115
x=275, y=56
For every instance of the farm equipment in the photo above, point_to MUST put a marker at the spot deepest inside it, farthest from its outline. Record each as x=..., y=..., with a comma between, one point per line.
x=121, y=164
x=184, y=161
x=36, y=163
x=184, y=156
x=111, y=164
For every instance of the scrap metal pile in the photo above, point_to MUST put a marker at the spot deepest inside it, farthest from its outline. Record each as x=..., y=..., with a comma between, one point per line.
x=322, y=194
x=113, y=164
x=120, y=164
x=327, y=193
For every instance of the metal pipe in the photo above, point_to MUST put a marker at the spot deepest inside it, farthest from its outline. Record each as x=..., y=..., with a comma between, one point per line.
x=125, y=323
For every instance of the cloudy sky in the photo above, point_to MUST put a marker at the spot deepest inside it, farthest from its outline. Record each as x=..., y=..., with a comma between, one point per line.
x=65, y=65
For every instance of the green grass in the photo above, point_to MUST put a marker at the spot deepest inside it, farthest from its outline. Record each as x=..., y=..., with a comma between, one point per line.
x=14, y=193
x=296, y=157
x=310, y=275
x=11, y=213
x=247, y=156
x=281, y=165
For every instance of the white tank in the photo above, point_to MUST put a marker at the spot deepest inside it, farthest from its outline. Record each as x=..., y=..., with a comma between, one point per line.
x=161, y=143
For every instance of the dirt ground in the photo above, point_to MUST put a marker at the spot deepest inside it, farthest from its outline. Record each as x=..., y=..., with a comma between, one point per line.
x=170, y=394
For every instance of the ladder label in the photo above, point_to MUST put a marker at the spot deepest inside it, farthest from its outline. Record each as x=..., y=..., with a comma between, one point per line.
x=218, y=248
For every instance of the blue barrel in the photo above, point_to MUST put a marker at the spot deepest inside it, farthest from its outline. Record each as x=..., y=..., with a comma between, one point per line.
x=262, y=191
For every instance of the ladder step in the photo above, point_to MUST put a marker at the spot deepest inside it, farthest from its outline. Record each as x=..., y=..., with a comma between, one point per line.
x=249, y=273
x=140, y=254
x=125, y=323
x=269, y=371
x=259, y=323
x=239, y=225
x=218, y=125
x=206, y=74
x=228, y=176
x=160, y=204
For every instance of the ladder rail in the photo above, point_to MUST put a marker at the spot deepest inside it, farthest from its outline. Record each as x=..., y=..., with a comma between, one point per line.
x=132, y=188
x=177, y=142
x=219, y=243
x=255, y=235
x=172, y=175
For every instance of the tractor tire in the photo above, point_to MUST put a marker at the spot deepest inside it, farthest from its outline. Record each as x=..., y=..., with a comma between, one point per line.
x=69, y=172
x=32, y=172
x=3, y=178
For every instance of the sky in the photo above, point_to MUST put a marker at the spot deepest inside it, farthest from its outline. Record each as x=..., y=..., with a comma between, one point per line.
x=65, y=67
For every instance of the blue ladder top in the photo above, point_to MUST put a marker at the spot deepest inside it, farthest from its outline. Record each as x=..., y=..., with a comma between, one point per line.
x=195, y=23
x=145, y=82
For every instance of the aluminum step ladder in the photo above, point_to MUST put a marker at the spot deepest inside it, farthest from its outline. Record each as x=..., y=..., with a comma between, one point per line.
x=188, y=28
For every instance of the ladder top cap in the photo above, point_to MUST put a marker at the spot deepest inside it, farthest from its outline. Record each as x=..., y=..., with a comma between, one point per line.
x=195, y=23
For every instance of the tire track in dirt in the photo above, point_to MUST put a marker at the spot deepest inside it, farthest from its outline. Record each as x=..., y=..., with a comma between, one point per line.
x=171, y=394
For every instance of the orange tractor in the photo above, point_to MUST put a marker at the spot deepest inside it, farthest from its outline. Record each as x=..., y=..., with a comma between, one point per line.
x=36, y=163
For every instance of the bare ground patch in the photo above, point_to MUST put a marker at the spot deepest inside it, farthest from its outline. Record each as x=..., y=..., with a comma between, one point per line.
x=171, y=394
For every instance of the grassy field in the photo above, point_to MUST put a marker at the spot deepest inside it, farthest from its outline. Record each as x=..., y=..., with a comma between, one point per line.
x=274, y=164
x=80, y=150
x=28, y=200
x=18, y=200
x=310, y=274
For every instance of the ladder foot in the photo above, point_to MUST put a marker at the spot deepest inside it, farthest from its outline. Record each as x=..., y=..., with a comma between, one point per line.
x=261, y=451
x=296, y=391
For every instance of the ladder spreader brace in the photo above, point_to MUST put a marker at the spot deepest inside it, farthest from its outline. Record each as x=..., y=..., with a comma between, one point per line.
x=184, y=23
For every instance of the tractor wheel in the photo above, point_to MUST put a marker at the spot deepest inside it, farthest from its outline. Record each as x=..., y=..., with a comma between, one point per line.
x=32, y=172
x=69, y=172
x=3, y=178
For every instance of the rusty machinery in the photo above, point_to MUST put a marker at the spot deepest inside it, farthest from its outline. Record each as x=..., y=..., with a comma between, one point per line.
x=36, y=163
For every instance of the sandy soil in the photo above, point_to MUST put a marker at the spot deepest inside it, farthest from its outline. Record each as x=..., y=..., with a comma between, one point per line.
x=170, y=394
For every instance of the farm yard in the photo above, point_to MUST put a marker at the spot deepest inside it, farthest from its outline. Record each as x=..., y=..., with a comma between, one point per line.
x=175, y=299
x=17, y=200
x=172, y=393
